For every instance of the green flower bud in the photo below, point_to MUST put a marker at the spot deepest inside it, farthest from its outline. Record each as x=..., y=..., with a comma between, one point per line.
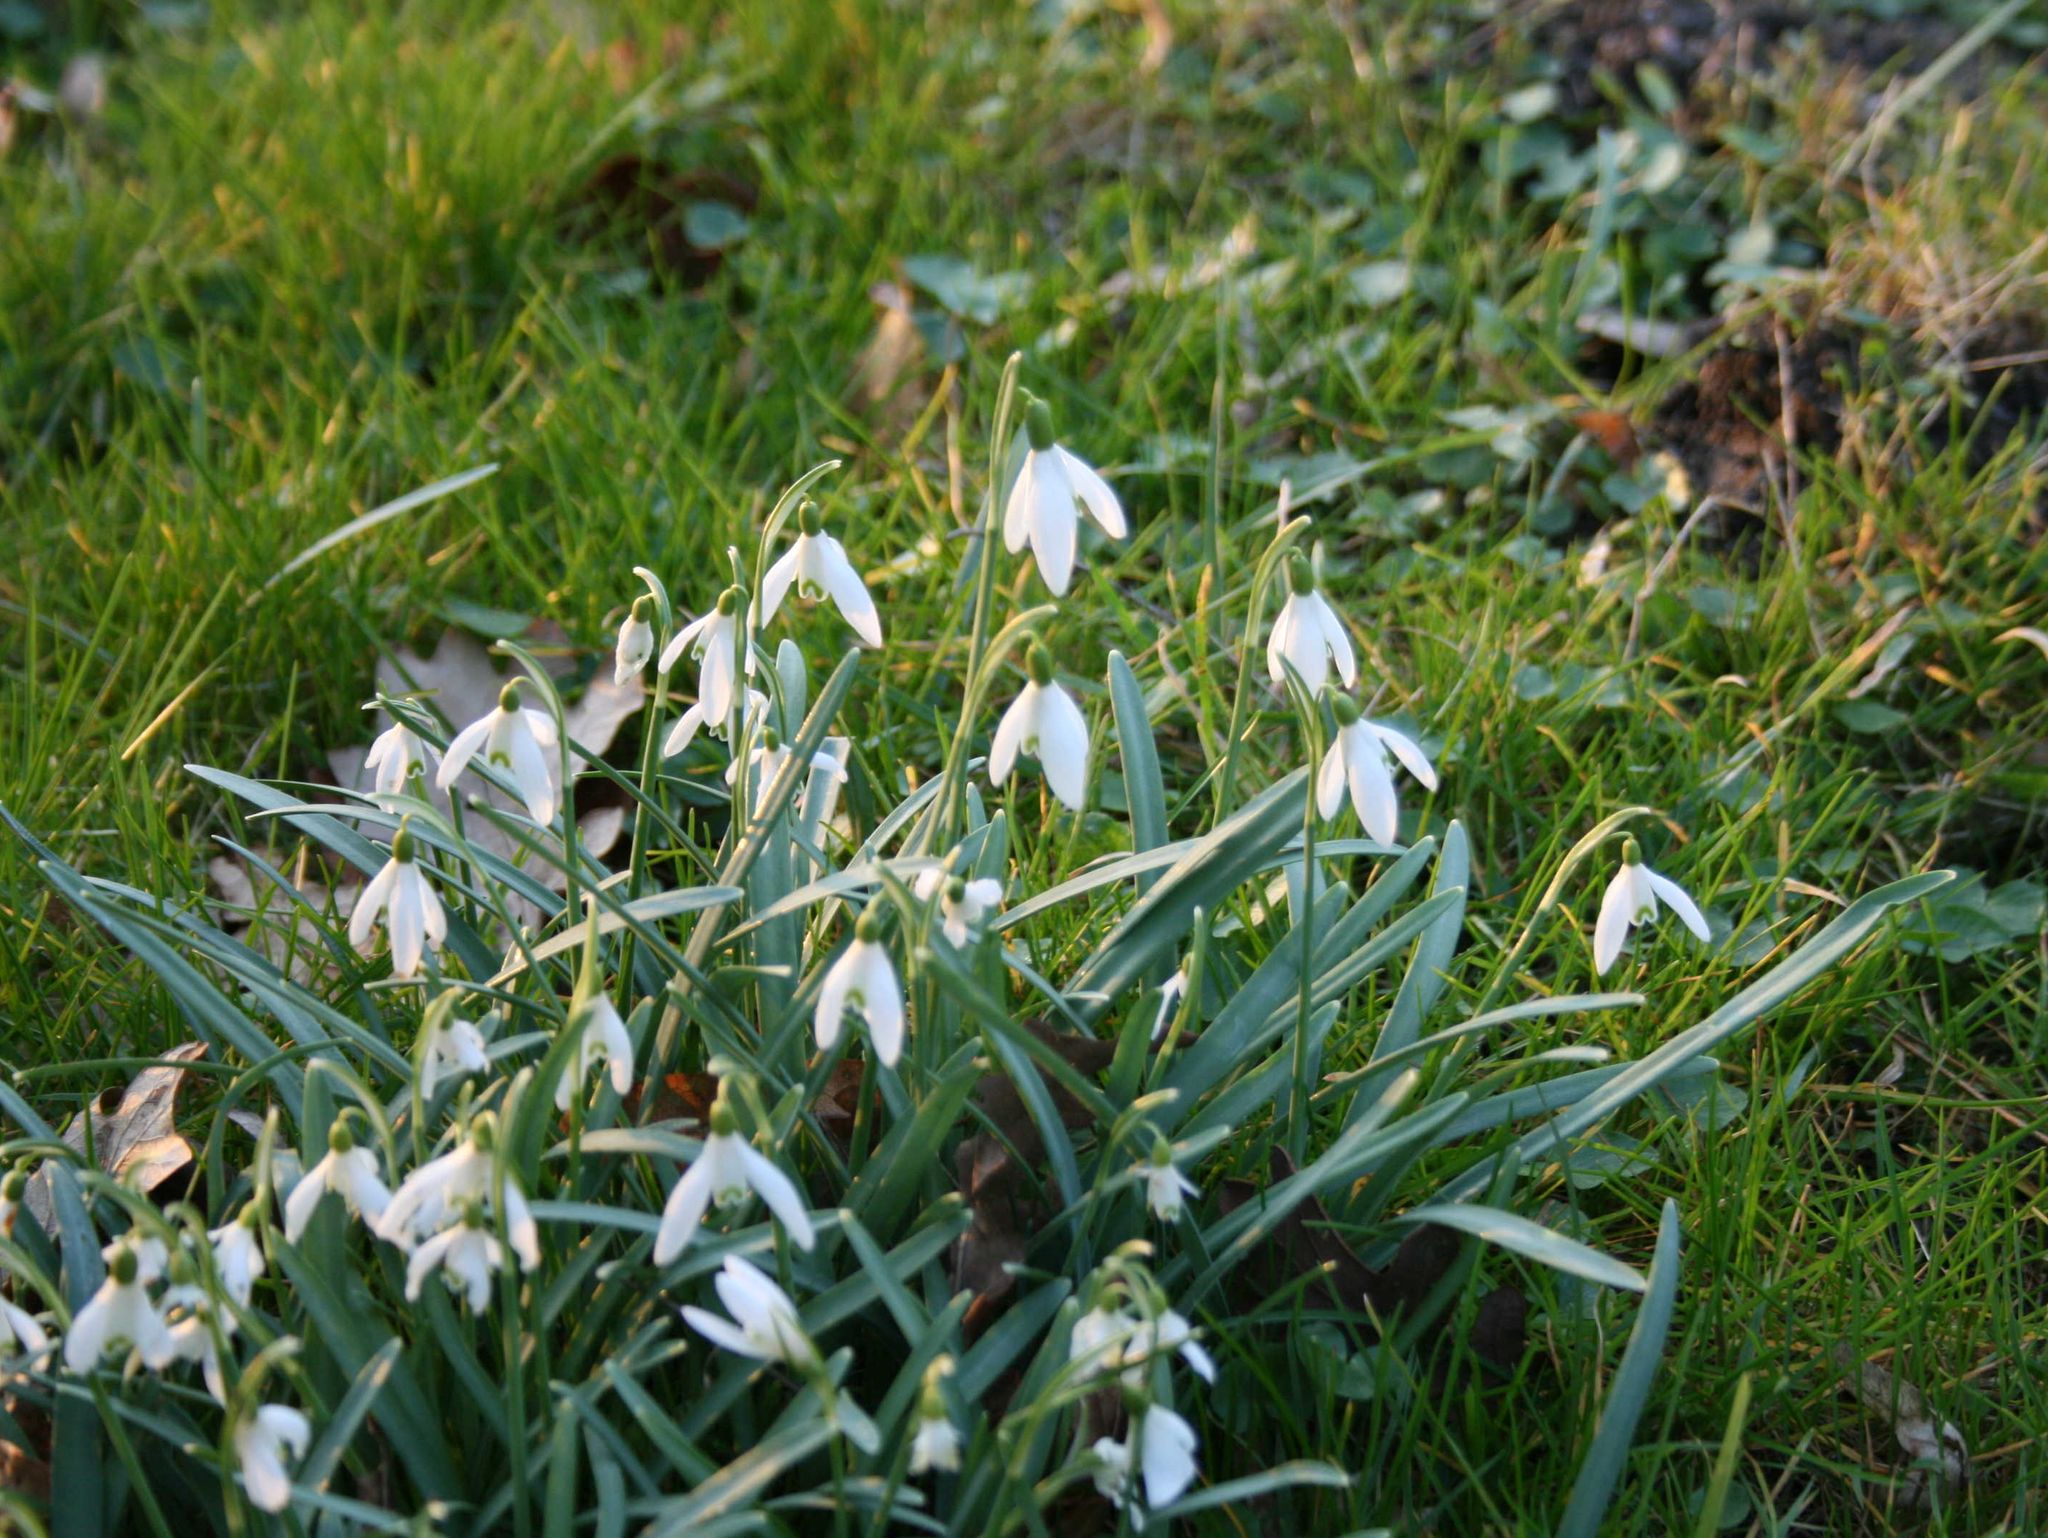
x=1038, y=425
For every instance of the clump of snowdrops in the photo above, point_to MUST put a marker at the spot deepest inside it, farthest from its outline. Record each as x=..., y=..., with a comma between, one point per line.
x=652, y=1215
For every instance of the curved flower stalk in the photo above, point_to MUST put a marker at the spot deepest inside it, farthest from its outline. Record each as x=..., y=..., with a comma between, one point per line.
x=1041, y=510
x=516, y=739
x=863, y=980
x=817, y=566
x=1308, y=634
x=120, y=1314
x=262, y=1444
x=395, y=757
x=1631, y=899
x=402, y=895
x=1357, y=759
x=962, y=903
x=718, y=644
x=724, y=1174
x=347, y=1170
x=1044, y=720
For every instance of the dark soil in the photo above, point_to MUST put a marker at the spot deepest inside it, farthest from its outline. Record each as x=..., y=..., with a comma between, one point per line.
x=1706, y=46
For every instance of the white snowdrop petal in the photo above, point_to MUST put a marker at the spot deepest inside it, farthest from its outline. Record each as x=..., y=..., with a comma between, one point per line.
x=1680, y=903
x=1095, y=494
x=1063, y=746
x=1616, y=914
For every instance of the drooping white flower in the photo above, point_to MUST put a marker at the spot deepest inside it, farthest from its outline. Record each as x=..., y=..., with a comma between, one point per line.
x=1164, y=1446
x=937, y=1442
x=438, y=1191
x=450, y=1048
x=768, y=757
x=601, y=1042
x=152, y=1255
x=1167, y=1332
x=962, y=904
x=1044, y=720
x=1041, y=510
x=718, y=643
x=120, y=1314
x=765, y=1324
x=403, y=896
x=817, y=565
x=1308, y=634
x=395, y=757
x=13, y=1192
x=696, y=719
x=238, y=1254
x=466, y=1254
x=516, y=739
x=1166, y=1188
x=1096, y=1344
x=188, y=1312
x=262, y=1444
x=1357, y=758
x=724, y=1173
x=1631, y=899
x=19, y=1328
x=349, y=1172
x=864, y=979
x=636, y=642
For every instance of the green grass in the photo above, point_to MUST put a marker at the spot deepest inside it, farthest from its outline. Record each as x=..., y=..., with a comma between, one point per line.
x=308, y=263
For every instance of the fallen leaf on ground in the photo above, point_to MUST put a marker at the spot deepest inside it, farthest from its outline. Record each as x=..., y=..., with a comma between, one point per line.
x=1936, y=1447
x=138, y=1141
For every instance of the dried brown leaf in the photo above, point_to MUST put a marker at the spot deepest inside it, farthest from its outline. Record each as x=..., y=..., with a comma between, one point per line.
x=137, y=1141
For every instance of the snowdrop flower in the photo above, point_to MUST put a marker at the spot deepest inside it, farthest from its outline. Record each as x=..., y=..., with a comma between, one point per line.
x=1632, y=899
x=1308, y=634
x=18, y=1327
x=395, y=757
x=238, y=1254
x=724, y=1173
x=515, y=739
x=636, y=642
x=818, y=566
x=261, y=1445
x=1170, y=996
x=466, y=1255
x=1162, y=1447
x=1166, y=1188
x=766, y=762
x=695, y=719
x=1044, y=720
x=151, y=1254
x=13, y=1192
x=720, y=648
x=119, y=1314
x=1095, y=1345
x=441, y=1188
x=346, y=1170
x=1167, y=1333
x=189, y=1312
x=601, y=1042
x=962, y=904
x=403, y=896
x=1357, y=758
x=765, y=1324
x=937, y=1442
x=450, y=1048
x=1041, y=508
x=864, y=979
